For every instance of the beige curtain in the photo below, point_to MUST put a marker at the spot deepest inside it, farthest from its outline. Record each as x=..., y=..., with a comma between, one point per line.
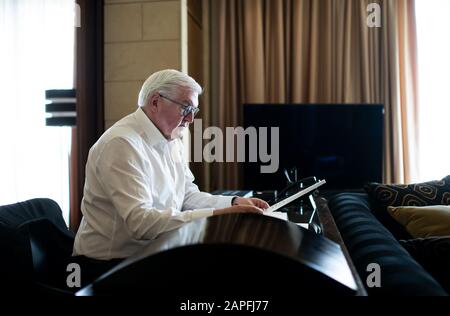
x=400, y=91
x=315, y=51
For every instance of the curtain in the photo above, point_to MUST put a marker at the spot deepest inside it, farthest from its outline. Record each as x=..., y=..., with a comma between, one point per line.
x=400, y=97
x=90, y=96
x=37, y=52
x=315, y=51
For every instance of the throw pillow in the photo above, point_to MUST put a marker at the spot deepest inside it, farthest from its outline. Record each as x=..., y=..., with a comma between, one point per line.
x=433, y=254
x=417, y=194
x=425, y=221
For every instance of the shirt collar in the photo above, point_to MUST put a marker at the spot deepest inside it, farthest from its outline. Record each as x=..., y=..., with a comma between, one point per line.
x=152, y=133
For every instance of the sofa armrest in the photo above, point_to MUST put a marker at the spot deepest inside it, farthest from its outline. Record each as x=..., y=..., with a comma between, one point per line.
x=368, y=241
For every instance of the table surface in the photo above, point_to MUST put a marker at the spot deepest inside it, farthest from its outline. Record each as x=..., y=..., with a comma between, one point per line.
x=311, y=260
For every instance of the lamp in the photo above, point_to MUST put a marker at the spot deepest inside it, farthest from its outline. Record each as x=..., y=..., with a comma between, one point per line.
x=60, y=107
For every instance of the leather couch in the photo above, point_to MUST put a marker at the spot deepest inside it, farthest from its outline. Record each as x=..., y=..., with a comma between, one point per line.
x=36, y=251
x=368, y=241
x=36, y=247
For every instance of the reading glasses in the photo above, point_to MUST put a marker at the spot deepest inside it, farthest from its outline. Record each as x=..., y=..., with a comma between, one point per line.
x=185, y=109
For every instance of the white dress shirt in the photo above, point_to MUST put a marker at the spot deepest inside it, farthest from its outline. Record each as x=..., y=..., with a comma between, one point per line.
x=138, y=185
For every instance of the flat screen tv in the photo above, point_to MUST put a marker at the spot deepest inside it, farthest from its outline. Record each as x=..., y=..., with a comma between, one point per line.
x=341, y=143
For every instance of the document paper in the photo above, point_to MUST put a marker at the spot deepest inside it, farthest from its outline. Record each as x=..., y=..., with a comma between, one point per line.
x=295, y=196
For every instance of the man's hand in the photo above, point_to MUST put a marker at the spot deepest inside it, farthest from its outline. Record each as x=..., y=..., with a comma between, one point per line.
x=251, y=201
x=244, y=205
x=238, y=209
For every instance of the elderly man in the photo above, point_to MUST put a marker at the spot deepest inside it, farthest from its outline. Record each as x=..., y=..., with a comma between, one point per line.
x=138, y=185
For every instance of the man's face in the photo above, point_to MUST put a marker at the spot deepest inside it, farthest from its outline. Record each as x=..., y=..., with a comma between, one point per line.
x=170, y=121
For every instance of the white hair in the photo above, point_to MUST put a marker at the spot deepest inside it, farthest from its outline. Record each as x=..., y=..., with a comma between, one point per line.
x=166, y=82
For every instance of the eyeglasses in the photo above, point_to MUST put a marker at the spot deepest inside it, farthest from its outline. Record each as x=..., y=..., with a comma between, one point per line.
x=185, y=109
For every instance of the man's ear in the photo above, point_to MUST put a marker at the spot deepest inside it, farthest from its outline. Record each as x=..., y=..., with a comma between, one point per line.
x=152, y=102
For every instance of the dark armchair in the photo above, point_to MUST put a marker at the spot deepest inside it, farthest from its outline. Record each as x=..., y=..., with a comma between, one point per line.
x=36, y=247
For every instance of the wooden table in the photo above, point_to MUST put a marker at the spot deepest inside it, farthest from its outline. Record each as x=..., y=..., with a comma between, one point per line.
x=239, y=254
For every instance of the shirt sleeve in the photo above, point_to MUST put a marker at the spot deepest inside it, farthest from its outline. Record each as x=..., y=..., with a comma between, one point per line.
x=195, y=199
x=121, y=171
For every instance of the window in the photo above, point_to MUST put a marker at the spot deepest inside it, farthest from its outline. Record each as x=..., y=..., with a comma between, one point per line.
x=434, y=68
x=37, y=39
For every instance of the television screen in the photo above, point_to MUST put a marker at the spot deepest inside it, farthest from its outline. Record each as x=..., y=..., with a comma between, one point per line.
x=341, y=143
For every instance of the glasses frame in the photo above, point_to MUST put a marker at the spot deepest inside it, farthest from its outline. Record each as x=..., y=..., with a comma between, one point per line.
x=185, y=109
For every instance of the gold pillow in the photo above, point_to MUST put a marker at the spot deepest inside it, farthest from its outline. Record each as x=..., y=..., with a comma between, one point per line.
x=423, y=221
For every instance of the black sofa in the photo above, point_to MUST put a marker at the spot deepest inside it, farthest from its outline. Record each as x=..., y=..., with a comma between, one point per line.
x=368, y=241
x=36, y=247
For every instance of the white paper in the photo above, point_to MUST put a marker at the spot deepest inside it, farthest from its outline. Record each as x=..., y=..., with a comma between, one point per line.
x=280, y=215
x=295, y=196
x=284, y=216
